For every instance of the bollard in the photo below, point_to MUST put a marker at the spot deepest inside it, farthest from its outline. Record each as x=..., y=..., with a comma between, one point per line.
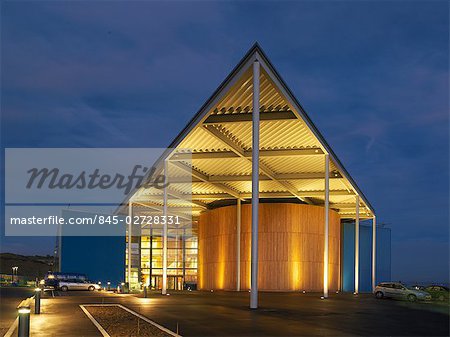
x=37, y=301
x=145, y=291
x=24, y=322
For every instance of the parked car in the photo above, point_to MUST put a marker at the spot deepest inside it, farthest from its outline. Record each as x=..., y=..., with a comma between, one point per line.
x=66, y=285
x=418, y=287
x=49, y=284
x=439, y=293
x=400, y=291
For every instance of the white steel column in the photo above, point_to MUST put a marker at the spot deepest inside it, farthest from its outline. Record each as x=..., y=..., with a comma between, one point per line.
x=374, y=251
x=238, y=245
x=255, y=188
x=164, y=280
x=327, y=207
x=357, y=246
x=130, y=217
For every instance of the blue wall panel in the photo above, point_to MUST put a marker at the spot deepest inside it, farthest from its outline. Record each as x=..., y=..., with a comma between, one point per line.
x=383, y=257
x=101, y=258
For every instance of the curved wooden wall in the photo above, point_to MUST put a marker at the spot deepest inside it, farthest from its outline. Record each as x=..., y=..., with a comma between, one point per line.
x=290, y=248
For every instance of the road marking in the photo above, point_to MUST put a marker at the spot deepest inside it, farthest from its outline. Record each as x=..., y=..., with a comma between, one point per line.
x=98, y=326
x=12, y=328
x=170, y=332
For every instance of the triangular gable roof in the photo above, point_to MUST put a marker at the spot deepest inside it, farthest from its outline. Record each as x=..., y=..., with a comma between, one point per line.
x=211, y=121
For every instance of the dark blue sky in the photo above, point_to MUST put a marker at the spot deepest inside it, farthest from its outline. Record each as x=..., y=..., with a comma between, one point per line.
x=373, y=77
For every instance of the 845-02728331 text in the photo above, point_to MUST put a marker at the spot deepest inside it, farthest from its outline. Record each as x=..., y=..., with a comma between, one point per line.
x=98, y=219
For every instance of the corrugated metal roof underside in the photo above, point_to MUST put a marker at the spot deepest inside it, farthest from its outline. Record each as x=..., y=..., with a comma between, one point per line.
x=221, y=148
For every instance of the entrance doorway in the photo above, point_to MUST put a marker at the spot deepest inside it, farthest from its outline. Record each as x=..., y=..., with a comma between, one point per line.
x=173, y=282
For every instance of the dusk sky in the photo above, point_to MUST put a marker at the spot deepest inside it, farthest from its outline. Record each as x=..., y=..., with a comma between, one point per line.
x=373, y=77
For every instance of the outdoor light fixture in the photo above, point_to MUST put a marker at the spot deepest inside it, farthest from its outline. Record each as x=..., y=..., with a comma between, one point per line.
x=304, y=291
x=37, y=301
x=122, y=284
x=109, y=283
x=23, y=328
x=24, y=310
x=99, y=283
x=322, y=298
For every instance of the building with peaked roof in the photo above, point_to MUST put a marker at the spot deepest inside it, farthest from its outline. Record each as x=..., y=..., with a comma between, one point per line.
x=263, y=194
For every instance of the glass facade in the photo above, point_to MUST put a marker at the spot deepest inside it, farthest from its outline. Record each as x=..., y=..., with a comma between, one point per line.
x=147, y=259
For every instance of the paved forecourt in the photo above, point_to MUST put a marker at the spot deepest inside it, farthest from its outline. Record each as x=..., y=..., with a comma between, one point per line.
x=227, y=314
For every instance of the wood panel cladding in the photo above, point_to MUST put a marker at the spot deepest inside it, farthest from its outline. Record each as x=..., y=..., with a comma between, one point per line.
x=291, y=244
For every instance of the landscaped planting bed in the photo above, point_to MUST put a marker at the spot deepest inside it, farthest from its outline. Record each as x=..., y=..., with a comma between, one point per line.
x=118, y=322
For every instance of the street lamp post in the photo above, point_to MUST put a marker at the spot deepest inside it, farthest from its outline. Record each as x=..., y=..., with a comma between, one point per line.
x=14, y=270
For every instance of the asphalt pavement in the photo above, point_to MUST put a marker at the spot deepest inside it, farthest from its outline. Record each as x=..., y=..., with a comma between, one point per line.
x=10, y=297
x=227, y=314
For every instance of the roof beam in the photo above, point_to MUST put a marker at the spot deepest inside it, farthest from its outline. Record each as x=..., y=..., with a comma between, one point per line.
x=346, y=206
x=284, y=177
x=159, y=211
x=203, y=177
x=203, y=155
x=248, y=154
x=247, y=117
x=225, y=140
x=305, y=194
x=353, y=215
x=172, y=208
x=158, y=198
x=183, y=180
x=240, y=152
x=320, y=194
x=212, y=196
x=287, y=152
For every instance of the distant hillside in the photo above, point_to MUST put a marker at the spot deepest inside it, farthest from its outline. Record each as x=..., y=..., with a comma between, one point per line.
x=30, y=266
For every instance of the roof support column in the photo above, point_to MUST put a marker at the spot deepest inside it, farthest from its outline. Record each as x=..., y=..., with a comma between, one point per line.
x=326, y=225
x=255, y=188
x=357, y=247
x=374, y=251
x=238, y=245
x=164, y=280
x=130, y=222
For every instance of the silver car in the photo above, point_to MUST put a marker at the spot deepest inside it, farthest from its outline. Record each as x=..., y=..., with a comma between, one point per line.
x=66, y=285
x=400, y=291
